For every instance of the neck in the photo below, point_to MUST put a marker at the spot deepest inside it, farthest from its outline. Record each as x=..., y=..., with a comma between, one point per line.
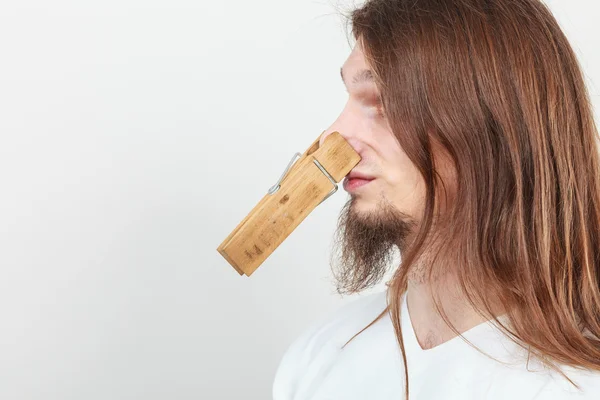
x=430, y=328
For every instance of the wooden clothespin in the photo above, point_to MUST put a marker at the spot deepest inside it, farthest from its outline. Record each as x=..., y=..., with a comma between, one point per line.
x=301, y=188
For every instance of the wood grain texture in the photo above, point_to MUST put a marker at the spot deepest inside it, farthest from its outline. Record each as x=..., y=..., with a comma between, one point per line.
x=274, y=218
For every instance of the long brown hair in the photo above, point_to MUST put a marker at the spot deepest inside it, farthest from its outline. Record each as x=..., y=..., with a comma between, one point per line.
x=497, y=85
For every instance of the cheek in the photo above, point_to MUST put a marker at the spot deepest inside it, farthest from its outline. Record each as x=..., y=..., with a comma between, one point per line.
x=398, y=168
x=391, y=152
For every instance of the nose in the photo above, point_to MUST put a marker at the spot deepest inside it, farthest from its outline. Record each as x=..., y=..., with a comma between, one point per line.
x=352, y=141
x=350, y=125
x=326, y=133
x=347, y=131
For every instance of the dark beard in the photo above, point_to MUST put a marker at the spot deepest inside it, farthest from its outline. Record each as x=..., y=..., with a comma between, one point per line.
x=364, y=245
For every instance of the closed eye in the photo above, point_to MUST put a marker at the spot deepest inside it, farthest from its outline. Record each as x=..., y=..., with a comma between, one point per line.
x=379, y=106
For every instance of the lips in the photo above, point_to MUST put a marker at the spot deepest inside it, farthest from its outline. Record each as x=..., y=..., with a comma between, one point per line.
x=359, y=175
x=355, y=180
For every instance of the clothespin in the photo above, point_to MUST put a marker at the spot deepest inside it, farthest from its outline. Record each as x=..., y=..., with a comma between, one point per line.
x=301, y=188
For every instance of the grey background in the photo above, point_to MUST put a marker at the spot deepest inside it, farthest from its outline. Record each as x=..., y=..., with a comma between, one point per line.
x=134, y=136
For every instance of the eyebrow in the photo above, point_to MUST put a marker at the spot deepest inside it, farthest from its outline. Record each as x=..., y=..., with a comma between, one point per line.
x=364, y=75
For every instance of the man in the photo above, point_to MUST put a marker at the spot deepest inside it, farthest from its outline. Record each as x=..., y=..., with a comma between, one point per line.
x=480, y=165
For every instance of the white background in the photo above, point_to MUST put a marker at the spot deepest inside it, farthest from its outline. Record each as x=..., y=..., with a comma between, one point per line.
x=134, y=136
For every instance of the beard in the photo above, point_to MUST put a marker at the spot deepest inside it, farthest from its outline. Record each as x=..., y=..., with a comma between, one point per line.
x=365, y=244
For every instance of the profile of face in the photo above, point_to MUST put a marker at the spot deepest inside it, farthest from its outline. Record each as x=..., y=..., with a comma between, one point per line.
x=386, y=190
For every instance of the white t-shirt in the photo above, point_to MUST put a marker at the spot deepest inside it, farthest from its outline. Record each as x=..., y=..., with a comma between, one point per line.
x=370, y=367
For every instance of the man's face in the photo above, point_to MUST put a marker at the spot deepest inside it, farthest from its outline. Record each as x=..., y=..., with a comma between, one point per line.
x=392, y=177
x=383, y=209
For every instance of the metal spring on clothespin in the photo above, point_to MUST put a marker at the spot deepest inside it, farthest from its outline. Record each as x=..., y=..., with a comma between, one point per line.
x=273, y=189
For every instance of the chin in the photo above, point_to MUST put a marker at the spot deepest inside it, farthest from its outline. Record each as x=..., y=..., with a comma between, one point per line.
x=363, y=204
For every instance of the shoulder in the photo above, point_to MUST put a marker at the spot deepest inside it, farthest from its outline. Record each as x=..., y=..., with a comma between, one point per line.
x=324, y=334
x=355, y=312
x=588, y=382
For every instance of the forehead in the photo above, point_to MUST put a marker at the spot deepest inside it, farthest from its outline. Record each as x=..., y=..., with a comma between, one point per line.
x=357, y=57
x=355, y=71
x=355, y=61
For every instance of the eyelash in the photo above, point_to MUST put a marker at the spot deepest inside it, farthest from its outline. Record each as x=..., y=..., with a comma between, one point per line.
x=379, y=108
x=378, y=105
